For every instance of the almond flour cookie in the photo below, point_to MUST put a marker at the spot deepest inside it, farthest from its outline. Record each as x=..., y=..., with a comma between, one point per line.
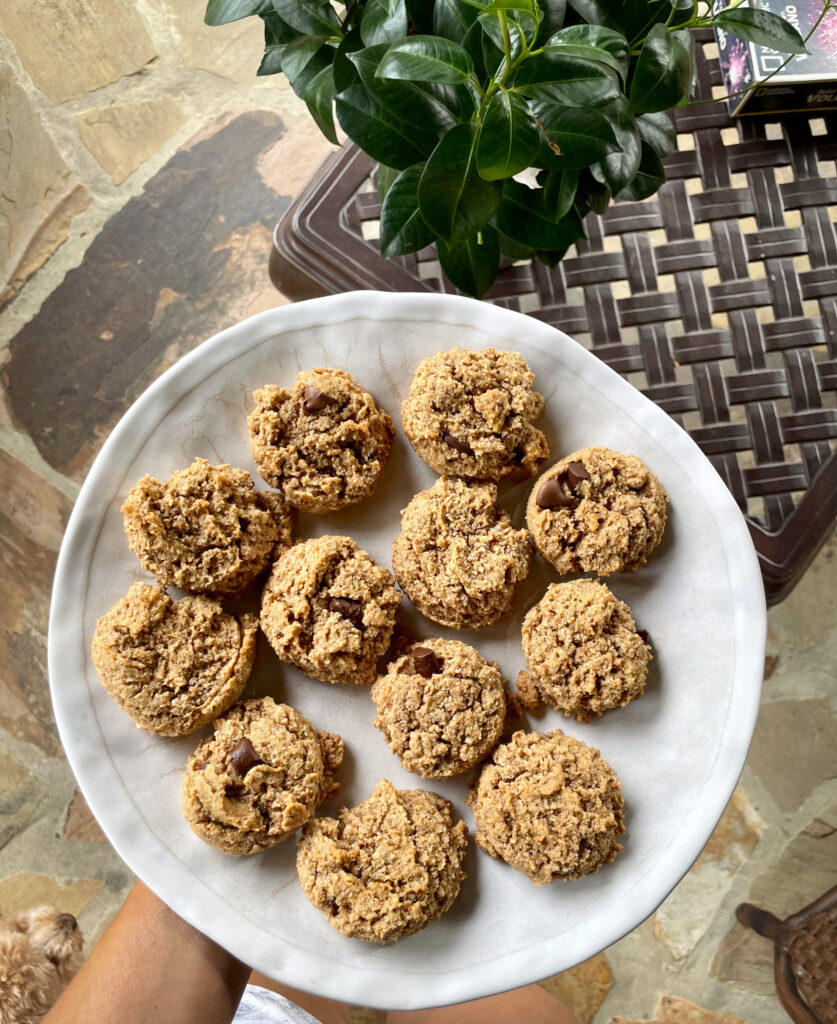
x=583, y=652
x=471, y=414
x=458, y=558
x=441, y=708
x=386, y=868
x=173, y=666
x=548, y=805
x=323, y=443
x=262, y=774
x=206, y=528
x=329, y=610
x=597, y=511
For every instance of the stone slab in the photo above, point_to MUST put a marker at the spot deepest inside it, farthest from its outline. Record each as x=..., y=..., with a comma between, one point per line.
x=674, y=1010
x=232, y=51
x=27, y=889
x=19, y=796
x=123, y=136
x=39, y=195
x=80, y=825
x=33, y=515
x=71, y=47
x=180, y=261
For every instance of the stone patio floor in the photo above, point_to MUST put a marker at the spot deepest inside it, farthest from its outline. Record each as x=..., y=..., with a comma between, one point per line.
x=143, y=173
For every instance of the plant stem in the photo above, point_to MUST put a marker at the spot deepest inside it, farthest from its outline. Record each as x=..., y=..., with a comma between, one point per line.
x=504, y=26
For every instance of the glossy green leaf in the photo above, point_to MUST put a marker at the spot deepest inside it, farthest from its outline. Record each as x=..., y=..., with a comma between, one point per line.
x=383, y=21
x=521, y=25
x=524, y=216
x=523, y=6
x=618, y=168
x=453, y=18
x=658, y=132
x=648, y=178
x=298, y=54
x=313, y=17
x=568, y=81
x=663, y=74
x=581, y=136
x=508, y=138
x=454, y=200
x=220, y=12
x=378, y=131
x=592, y=194
x=594, y=12
x=403, y=228
x=553, y=13
x=319, y=98
x=426, y=59
x=427, y=105
x=593, y=42
x=559, y=192
x=345, y=70
x=384, y=177
x=277, y=35
x=514, y=250
x=321, y=59
x=762, y=27
x=472, y=264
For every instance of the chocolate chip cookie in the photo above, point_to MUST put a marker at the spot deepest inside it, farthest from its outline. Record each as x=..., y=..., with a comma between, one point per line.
x=173, y=666
x=472, y=414
x=441, y=708
x=386, y=868
x=206, y=528
x=330, y=610
x=597, y=511
x=458, y=558
x=323, y=443
x=261, y=775
x=548, y=805
x=583, y=653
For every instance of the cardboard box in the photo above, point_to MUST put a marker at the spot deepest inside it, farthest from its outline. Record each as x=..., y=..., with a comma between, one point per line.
x=807, y=82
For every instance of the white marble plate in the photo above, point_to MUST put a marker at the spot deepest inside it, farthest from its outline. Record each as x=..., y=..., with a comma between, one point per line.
x=678, y=751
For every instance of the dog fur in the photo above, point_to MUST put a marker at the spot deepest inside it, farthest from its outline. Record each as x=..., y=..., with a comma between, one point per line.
x=40, y=952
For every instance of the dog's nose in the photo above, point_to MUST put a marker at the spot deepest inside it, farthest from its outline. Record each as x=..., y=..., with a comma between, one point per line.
x=67, y=921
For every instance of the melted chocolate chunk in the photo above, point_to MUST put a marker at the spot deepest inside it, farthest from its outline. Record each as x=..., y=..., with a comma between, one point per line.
x=643, y=636
x=234, y=792
x=552, y=495
x=426, y=662
x=244, y=757
x=576, y=472
x=314, y=400
x=348, y=608
x=460, y=446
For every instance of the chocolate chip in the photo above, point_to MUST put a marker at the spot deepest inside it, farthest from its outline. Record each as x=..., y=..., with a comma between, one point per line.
x=460, y=446
x=244, y=757
x=314, y=400
x=332, y=906
x=234, y=792
x=348, y=608
x=576, y=472
x=519, y=472
x=426, y=662
x=643, y=636
x=551, y=495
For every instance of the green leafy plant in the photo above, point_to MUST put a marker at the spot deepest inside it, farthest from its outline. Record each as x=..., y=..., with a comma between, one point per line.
x=453, y=98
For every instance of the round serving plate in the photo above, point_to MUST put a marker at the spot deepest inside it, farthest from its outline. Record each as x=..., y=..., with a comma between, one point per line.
x=678, y=751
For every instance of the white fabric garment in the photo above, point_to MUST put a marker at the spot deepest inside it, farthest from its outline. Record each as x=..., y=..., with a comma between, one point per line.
x=261, y=1006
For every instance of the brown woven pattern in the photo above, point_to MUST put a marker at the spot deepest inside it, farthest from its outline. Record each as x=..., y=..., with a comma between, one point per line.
x=813, y=955
x=717, y=298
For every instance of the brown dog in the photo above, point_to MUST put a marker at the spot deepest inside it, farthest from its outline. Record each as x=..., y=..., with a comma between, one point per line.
x=40, y=952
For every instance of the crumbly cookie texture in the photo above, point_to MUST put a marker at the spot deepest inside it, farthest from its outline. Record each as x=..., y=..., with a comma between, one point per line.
x=597, y=511
x=323, y=443
x=471, y=414
x=441, y=707
x=548, y=805
x=386, y=868
x=260, y=777
x=458, y=558
x=173, y=666
x=583, y=652
x=206, y=528
x=330, y=610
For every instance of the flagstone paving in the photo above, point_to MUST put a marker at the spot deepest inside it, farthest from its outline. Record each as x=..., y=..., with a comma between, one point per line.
x=142, y=182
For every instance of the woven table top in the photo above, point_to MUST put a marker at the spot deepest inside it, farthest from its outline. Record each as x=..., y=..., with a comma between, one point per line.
x=717, y=298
